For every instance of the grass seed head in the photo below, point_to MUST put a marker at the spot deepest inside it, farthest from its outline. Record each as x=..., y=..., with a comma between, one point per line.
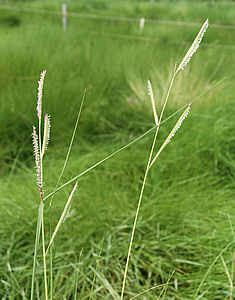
x=172, y=133
x=150, y=92
x=194, y=47
x=37, y=162
x=40, y=88
x=46, y=135
x=64, y=215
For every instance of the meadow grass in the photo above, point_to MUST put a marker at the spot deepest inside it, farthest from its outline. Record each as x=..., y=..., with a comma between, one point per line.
x=183, y=223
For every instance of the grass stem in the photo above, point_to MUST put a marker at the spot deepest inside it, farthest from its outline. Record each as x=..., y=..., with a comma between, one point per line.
x=44, y=256
x=143, y=186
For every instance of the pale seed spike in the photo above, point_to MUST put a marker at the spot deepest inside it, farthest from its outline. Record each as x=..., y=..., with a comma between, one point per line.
x=173, y=131
x=37, y=162
x=40, y=87
x=150, y=92
x=46, y=135
x=193, y=47
x=63, y=215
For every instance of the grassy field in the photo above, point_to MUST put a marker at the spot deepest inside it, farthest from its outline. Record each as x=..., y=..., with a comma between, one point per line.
x=187, y=215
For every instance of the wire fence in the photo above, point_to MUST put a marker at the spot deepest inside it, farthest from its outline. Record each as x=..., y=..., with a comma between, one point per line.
x=127, y=19
x=113, y=18
x=151, y=39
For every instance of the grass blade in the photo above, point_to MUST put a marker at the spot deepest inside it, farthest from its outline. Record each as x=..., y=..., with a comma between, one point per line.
x=210, y=268
x=97, y=266
x=70, y=146
x=36, y=248
x=56, y=187
x=106, y=284
x=43, y=253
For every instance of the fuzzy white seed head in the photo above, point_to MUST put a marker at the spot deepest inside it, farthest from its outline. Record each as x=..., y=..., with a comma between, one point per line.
x=37, y=162
x=178, y=125
x=172, y=133
x=150, y=93
x=69, y=203
x=64, y=214
x=46, y=135
x=40, y=88
x=195, y=45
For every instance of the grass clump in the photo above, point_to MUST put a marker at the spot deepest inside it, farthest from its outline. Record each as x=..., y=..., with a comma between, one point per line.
x=183, y=224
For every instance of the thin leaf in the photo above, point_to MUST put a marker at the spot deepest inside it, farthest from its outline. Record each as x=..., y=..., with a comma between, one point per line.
x=39, y=222
x=210, y=268
x=70, y=145
x=97, y=266
x=107, y=285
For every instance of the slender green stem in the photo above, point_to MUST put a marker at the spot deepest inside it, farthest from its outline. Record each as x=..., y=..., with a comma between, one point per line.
x=136, y=216
x=44, y=256
x=165, y=287
x=51, y=258
x=142, y=188
x=167, y=97
x=36, y=249
x=232, y=276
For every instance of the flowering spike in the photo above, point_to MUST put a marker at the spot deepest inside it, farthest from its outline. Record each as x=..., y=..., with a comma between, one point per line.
x=37, y=162
x=193, y=47
x=40, y=87
x=150, y=92
x=172, y=133
x=64, y=214
x=46, y=136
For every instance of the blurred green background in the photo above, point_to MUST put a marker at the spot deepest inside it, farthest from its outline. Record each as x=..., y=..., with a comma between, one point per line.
x=187, y=213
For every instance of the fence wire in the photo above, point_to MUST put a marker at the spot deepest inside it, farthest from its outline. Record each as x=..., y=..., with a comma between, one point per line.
x=127, y=19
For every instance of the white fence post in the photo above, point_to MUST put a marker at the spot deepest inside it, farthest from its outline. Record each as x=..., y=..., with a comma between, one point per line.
x=64, y=16
x=142, y=21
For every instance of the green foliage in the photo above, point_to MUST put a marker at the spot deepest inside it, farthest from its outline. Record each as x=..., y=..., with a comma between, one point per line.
x=183, y=222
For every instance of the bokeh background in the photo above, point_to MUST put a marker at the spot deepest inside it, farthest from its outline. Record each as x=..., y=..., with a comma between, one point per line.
x=186, y=221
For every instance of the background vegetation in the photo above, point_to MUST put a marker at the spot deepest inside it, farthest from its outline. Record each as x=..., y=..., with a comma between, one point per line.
x=187, y=214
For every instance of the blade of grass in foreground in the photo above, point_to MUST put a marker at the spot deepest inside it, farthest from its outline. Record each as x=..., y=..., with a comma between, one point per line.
x=57, y=184
x=70, y=146
x=131, y=143
x=97, y=266
x=106, y=284
x=166, y=286
x=43, y=253
x=150, y=289
x=209, y=269
x=76, y=285
x=39, y=222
